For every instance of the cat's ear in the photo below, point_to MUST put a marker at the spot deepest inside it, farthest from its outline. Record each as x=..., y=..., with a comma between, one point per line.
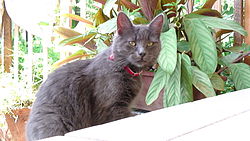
x=157, y=23
x=123, y=23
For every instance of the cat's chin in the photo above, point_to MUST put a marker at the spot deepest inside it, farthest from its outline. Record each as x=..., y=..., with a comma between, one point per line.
x=140, y=64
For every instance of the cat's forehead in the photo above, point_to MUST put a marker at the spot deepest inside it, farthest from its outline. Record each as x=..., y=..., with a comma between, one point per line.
x=142, y=32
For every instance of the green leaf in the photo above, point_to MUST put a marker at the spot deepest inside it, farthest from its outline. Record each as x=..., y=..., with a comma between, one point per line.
x=108, y=6
x=239, y=49
x=183, y=46
x=77, y=39
x=240, y=75
x=172, y=95
x=226, y=60
x=100, y=45
x=107, y=27
x=217, y=82
x=215, y=22
x=186, y=79
x=202, y=45
x=168, y=55
x=166, y=23
x=156, y=86
x=236, y=49
x=202, y=82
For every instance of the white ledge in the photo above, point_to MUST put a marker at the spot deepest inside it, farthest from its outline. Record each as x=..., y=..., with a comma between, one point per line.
x=224, y=117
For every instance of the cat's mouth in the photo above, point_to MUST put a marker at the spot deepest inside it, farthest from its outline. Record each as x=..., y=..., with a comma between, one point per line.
x=141, y=63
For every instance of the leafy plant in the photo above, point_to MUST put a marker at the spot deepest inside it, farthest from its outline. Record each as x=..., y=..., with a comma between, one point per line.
x=191, y=55
x=198, y=58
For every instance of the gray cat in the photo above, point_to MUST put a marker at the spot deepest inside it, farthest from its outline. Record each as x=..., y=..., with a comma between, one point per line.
x=90, y=92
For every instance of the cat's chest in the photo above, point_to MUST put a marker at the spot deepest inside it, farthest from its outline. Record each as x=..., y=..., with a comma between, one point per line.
x=134, y=83
x=116, y=83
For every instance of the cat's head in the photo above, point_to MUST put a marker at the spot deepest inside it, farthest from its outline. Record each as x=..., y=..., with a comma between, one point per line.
x=137, y=45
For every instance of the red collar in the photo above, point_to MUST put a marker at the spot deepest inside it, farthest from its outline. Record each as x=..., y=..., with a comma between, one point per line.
x=111, y=57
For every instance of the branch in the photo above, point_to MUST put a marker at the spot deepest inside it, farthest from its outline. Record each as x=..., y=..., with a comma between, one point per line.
x=236, y=60
x=223, y=38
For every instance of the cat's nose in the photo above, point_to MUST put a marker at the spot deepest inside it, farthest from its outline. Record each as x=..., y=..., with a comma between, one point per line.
x=142, y=54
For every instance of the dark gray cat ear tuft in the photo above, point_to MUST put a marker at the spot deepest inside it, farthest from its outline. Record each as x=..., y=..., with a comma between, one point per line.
x=157, y=23
x=123, y=23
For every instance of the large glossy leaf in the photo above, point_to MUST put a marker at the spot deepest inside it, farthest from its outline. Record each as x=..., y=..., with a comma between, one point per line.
x=239, y=49
x=219, y=23
x=217, y=82
x=202, y=45
x=156, y=86
x=81, y=39
x=108, y=6
x=226, y=60
x=107, y=27
x=168, y=55
x=186, y=79
x=240, y=75
x=78, y=18
x=172, y=95
x=65, y=32
x=223, y=24
x=166, y=23
x=183, y=46
x=202, y=82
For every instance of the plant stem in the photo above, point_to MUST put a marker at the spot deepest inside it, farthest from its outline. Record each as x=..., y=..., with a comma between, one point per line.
x=223, y=38
x=236, y=60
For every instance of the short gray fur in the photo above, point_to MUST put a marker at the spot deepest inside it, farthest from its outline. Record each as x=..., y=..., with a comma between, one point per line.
x=90, y=92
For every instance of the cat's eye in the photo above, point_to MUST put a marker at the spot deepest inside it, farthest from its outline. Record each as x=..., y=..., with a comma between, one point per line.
x=150, y=44
x=132, y=43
